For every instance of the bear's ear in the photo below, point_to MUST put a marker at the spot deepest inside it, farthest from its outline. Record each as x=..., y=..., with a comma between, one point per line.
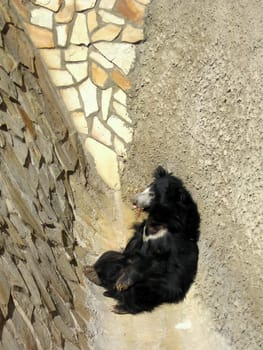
x=159, y=172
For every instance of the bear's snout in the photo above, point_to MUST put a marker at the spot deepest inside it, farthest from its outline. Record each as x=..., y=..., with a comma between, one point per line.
x=144, y=199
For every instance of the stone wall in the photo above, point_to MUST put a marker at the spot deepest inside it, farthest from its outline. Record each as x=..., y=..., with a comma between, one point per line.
x=42, y=295
x=63, y=95
x=88, y=48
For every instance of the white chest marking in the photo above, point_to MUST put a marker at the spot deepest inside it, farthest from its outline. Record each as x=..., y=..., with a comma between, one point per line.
x=159, y=234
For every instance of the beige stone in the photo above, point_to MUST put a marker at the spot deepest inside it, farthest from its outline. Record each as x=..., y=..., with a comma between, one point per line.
x=80, y=30
x=61, y=77
x=108, y=17
x=7, y=61
x=76, y=53
x=52, y=5
x=62, y=34
x=105, y=102
x=121, y=54
x=100, y=132
x=131, y=34
x=99, y=75
x=105, y=161
x=92, y=20
x=5, y=289
x=121, y=110
x=96, y=56
x=120, y=96
x=80, y=122
x=51, y=57
x=21, y=9
x=120, y=128
x=88, y=92
x=66, y=13
x=78, y=70
x=42, y=38
x=18, y=45
x=131, y=10
x=42, y=17
x=119, y=147
x=144, y=2
x=71, y=98
x=119, y=79
x=106, y=33
x=84, y=4
x=107, y=4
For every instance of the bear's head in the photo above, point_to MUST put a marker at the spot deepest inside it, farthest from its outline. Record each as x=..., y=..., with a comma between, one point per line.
x=168, y=202
x=164, y=191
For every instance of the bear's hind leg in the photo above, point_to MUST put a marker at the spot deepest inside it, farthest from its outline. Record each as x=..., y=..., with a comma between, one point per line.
x=109, y=267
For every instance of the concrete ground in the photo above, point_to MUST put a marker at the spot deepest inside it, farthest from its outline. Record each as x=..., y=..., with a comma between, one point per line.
x=198, y=109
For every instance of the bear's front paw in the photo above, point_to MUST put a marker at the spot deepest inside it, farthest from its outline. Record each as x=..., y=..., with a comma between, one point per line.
x=91, y=274
x=120, y=310
x=123, y=283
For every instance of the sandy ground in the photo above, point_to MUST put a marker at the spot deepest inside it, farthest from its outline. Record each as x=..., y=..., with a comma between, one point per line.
x=169, y=327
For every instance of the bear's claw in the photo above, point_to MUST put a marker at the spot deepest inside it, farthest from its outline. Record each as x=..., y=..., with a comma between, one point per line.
x=91, y=274
x=123, y=283
x=119, y=309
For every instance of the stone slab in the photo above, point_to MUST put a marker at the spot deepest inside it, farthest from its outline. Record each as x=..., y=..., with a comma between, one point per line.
x=106, y=162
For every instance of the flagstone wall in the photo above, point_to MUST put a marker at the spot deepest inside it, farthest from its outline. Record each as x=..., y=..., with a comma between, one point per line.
x=64, y=85
x=42, y=294
x=88, y=48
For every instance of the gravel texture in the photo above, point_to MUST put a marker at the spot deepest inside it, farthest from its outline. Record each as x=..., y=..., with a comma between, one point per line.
x=197, y=106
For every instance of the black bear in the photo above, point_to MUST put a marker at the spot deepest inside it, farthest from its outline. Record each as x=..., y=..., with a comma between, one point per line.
x=159, y=262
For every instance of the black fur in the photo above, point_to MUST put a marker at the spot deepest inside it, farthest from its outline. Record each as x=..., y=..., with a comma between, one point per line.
x=153, y=271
